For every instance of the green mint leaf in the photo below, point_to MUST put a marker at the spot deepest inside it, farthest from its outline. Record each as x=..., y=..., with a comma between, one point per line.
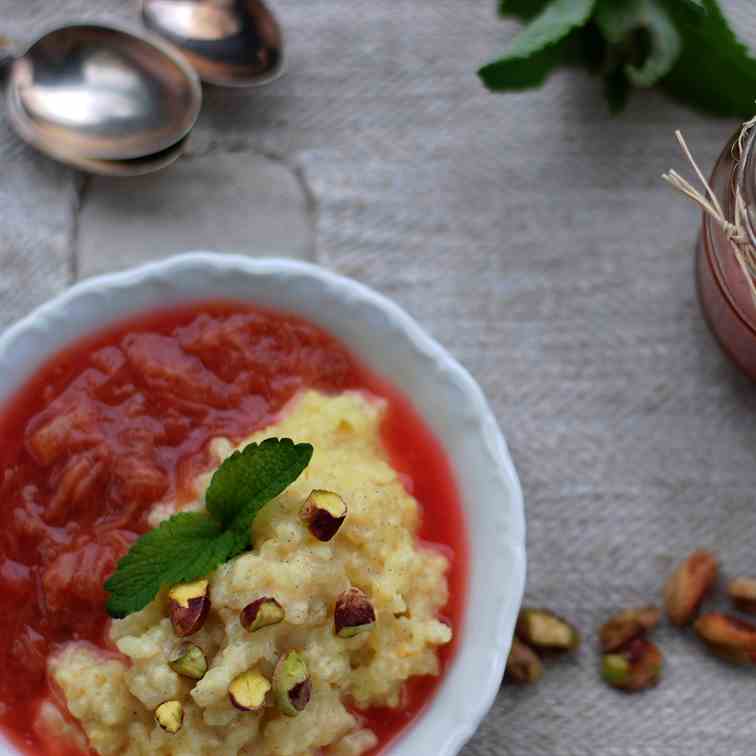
x=539, y=47
x=617, y=89
x=586, y=48
x=685, y=46
x=186, y=547
x=715, y=71
x=695, y=7
x=643, y=38
x=513, y=74
x=524, y=9
x=666, y=46
x=190, y=545
x=250, y=478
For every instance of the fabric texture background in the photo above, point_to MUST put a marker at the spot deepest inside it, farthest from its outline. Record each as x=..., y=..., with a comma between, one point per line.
x=532, y=235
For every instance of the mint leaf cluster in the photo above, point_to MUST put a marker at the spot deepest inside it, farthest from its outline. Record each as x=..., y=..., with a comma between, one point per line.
x=686, y=47
x=190, y=545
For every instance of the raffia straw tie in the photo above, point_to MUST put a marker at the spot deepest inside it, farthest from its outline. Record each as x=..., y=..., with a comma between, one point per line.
x=706, y=199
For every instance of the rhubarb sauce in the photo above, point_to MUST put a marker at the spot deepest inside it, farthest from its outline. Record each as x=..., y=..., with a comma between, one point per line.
x=121, y=420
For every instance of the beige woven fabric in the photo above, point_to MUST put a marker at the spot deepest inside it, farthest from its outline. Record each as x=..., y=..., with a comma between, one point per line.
x=532, y=235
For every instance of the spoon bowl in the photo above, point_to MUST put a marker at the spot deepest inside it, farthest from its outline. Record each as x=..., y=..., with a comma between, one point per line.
x=119, y=168
x=232, y=43
x=99, y=93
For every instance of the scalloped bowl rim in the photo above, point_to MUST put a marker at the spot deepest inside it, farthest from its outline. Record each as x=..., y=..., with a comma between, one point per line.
x=452, y=717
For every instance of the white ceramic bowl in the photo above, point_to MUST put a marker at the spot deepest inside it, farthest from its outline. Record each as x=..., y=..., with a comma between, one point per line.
x=391, y=344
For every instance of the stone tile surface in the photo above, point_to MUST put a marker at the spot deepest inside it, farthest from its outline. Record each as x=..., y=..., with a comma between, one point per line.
x=244, y=203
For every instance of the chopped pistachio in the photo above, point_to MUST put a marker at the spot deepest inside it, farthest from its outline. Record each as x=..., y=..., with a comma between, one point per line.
x=637, y=667
x=523, y=664
x=170, y=716
x=291, y=684
x=263, y=612
x=324, y=512
x=189, y=661
x=188, y=605
x=615, y=669
x=540, y=628
x=354, y=614
x=248, y=691
x=627, y=625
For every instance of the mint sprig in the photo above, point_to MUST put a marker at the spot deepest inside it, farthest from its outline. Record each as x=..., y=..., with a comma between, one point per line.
x=715, y=72
x=186, y=547
x=684, y=46
x=190, y=545
x=537, y=49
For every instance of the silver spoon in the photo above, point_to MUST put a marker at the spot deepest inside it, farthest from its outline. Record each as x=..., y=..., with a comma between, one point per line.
x=121, y=168
x=232, y=43
x=86, y=92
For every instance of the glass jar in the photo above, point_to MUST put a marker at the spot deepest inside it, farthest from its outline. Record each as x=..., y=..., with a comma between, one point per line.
x=723, y=286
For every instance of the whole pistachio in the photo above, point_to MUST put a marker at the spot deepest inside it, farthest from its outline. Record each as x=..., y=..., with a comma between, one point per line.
x=627, y=625
x=523, y=665
x=726, y=632
x=732, y=655
x=542, y=629
x=688, y=585
x=636, y=667
x=742, y=592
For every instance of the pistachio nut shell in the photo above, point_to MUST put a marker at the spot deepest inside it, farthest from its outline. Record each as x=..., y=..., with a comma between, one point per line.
x=732, y=655
x=688, y=585
x=742, y=592
x=726, y=631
